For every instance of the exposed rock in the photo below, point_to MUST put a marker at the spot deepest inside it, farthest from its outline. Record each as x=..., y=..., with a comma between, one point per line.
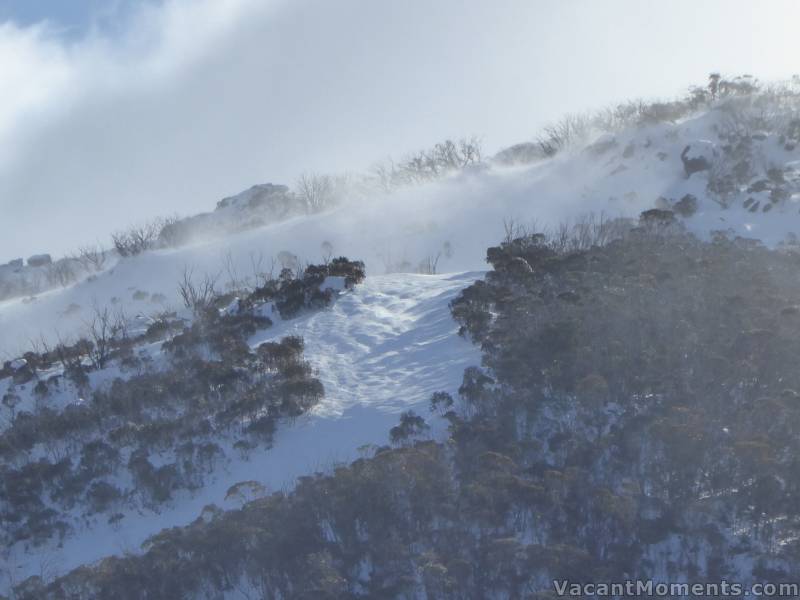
x=257, y=206
x=40, y=260
x=761, y=185
x=656, y=216
x=686, y=206
x=264, y=194
x=698, y=159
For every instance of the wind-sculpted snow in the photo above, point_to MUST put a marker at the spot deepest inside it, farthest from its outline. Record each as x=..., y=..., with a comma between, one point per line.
x=388, y=344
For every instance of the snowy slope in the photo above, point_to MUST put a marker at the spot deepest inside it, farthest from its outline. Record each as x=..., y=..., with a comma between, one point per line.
x=391, y=342
x=382, y=348
x=464, y=213
x=388, y=344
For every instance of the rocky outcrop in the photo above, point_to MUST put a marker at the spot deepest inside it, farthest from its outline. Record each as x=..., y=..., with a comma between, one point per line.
x=697, y=157
x=40, y=260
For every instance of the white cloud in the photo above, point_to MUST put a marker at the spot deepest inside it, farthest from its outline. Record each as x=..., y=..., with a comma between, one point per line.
x=198, y=99
x=32, y=71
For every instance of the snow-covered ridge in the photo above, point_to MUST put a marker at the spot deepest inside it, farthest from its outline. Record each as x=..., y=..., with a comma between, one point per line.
x=742, y=170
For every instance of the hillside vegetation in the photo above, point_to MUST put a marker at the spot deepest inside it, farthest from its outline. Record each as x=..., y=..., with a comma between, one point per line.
x=117, y=423
x=634, y=417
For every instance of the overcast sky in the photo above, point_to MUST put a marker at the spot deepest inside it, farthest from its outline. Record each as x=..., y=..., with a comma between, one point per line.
x=113, y=112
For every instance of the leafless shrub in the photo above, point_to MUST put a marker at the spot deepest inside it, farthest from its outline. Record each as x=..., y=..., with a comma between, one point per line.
x=137, y=239
x=261, y=275
x=427, y=165
x=513, y=229
x=443, y=158
x=40, y=345
x=316, y=192
x=234, y=281
x=568, y=130
x=68, y=353
x=197, y=295
x=384, y=175
x=395, y=265
x=288, y=260
x=327, y=252
x=587, y=232
x=92, y=258
x=60, y=273
x=103, y=329
x=742, y=85
x=429, y=264
x=450, y=155
x=618, y=117
x=170, y=232
x=773, y=109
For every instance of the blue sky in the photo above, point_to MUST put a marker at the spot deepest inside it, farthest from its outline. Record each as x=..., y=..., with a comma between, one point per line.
x=70, y=18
